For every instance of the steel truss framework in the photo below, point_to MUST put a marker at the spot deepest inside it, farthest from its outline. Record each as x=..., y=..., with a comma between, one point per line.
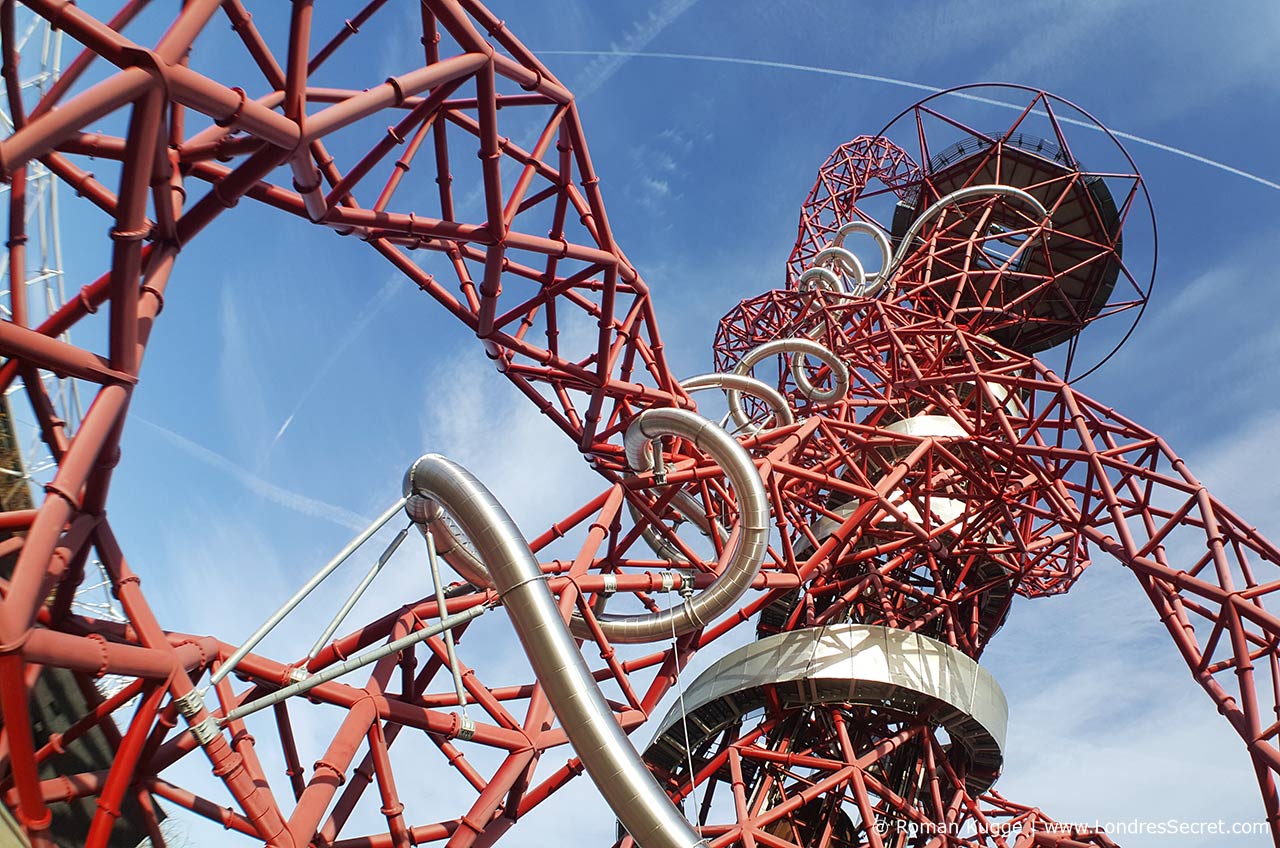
x=1042, y=474
x=38, y=269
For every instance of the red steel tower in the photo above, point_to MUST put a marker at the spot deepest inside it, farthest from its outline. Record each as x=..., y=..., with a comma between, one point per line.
x=905, y=471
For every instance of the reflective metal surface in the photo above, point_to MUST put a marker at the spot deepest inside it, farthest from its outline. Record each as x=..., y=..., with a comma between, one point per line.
x=748, y=540
x=804, y=347
x=606, y=753
x=856, y=664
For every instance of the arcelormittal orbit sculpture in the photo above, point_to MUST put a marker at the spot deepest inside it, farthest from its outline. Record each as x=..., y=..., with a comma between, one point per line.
x=880, y=498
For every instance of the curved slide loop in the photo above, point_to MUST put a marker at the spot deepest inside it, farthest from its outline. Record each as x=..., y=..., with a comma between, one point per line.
x=822, y=279
x=429, y=517
x=610, y=759
x=805, y=347
x=959, y=196
x=734, y=385
x=845, y=262
x=748, y=542
x=873, y=281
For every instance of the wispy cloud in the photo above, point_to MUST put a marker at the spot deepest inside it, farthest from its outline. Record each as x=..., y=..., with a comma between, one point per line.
x=641, y=35
x=659, y=173
x=901, y=83
x=475, y=420
x=278, y=495
x=240, y=373
x=1199, y=73
x=1105, y=723
x=357, y=328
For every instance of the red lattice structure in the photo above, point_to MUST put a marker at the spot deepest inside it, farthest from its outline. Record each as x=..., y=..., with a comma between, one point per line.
x=954, y=474
x=841, y=182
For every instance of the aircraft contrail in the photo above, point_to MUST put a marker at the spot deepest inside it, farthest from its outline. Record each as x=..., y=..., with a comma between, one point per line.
x=279, y=495
x=370, y=311
x=837, y=72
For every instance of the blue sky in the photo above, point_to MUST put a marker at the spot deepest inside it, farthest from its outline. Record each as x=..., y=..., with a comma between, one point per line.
x=293, y=376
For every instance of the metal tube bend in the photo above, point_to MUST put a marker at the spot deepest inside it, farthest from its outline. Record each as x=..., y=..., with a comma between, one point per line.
x=748, y=541
x=873, y=281
x=734, y=385
x=820, y=278
x=836, y=257
x=958, y=196
x=428, y=516
x=807, y=347
x=606, y=752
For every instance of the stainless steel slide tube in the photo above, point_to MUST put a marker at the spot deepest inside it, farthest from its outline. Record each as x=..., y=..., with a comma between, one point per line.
x=748, y=541
x=834, y=256
x=735, y=385
x=959, y=196
x=429, y=518
x=872, y=281
x=804, y=347
x=606, y=753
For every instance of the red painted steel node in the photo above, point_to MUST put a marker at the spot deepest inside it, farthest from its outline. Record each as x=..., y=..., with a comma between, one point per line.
x=909, y=470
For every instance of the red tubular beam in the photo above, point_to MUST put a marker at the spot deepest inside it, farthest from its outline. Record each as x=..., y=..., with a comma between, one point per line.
x=331, y=768
x=84, y=28
x=224, y=816
x=122, y=768
x=351, y=27
x=422, y=834
x=454, y=19
x=72, y=786
x=71, y=74
x=392, y=809
x=215, y=141
x=18, y=519
x=389, y=94
x=81, y=182
x=1082, y=474
x=191, y=22
x=100, y=712
x=421, y=116
x=91, y=297
x=43, y=136
x=540, y=81
x=242, y=23
x=289, y=749
x=151, y=821
x=31, y=810
x=483, y=810
x=253, y=796
x=306, y=178
x=97, y=656
x=227, y=190
x=130, y=229
x=231, y=108
x=27, y=584
x=431, y=721
x=490, y=153
x=49, y=354
x=17, y=230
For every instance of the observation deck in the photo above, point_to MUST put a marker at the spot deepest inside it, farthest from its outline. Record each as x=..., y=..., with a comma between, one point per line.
x=1028, y=288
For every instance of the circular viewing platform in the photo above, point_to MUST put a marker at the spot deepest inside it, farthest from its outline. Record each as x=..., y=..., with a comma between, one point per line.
x=1030, y=288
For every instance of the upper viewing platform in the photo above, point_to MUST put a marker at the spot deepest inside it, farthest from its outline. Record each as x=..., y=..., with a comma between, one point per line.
x=1004, y=231
x=1031, y=281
